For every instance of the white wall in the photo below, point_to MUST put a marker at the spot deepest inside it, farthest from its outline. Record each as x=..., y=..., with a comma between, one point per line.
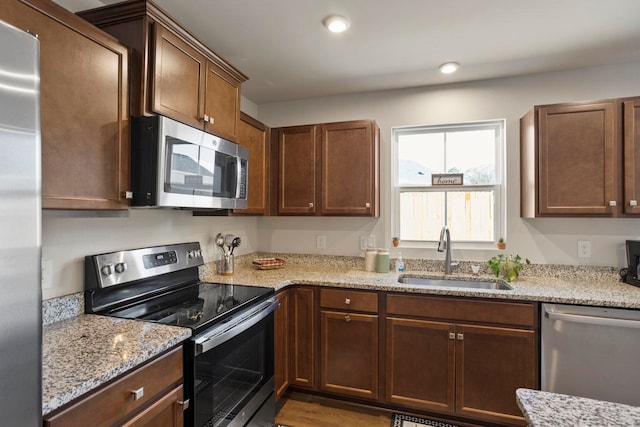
x=541, y=240
x=67, y=239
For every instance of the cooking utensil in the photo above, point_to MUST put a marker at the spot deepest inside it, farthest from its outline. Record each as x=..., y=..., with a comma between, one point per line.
x=228, y=238
x=235, y=243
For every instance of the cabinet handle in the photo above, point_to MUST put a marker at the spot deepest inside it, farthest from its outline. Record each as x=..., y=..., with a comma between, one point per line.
x=128, y=194
x=347, y=318
x=367, y=205
x=212, y=120
x=633, y=203
x=452, y=335
x=460, y=337
x=137, y=394
x=184, y=404
x=206, y=118
x=612, y=202
x=347, y=301
x=311, y=205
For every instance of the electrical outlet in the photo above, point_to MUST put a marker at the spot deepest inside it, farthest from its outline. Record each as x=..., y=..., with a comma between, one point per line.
x=321, y=242
x=363, y=242
x=584, y=248
x=47, y=267
x=371, y=241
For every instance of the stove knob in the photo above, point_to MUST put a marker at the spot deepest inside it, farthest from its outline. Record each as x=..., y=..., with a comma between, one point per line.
x=121, y=267
x=107, y=270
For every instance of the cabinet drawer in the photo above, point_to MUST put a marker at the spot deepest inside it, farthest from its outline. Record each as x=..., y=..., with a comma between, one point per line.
x=512, y=314
x=349, y=300
x=116, y=401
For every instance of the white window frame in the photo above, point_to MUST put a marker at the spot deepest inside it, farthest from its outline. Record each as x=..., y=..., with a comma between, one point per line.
x=500, y=226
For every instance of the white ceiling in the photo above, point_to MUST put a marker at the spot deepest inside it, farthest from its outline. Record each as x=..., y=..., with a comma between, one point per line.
x=287, y=54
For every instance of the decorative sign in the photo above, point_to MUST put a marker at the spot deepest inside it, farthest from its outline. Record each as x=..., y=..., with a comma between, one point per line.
x=446, y=179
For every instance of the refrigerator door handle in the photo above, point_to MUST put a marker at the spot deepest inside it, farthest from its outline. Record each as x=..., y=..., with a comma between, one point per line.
x=552, y=314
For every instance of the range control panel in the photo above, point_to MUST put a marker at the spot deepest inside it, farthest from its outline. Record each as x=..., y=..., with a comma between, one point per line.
x=122, y=267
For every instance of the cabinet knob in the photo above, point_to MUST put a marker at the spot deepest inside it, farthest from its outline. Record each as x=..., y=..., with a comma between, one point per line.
x=367, y=205
x=460, y=336
x=184, y=404
x=206, y=118
x=311, y=204
x=633, y=203
x=347, y=301
x=128, y=194
x=452, y=335
x=612, y=202
x=137, y=394
x=347, y=318
x=212, y=120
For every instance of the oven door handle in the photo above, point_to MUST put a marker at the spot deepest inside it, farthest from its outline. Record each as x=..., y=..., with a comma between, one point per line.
x=222, y=333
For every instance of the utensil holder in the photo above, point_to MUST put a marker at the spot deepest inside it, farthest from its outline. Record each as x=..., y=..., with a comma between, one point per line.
x=225, y=265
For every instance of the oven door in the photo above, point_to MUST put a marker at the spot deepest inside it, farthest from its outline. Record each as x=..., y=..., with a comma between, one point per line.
x=232, y=382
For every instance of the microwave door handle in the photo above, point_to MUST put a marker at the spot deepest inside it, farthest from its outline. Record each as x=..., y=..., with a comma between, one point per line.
x=207, y=342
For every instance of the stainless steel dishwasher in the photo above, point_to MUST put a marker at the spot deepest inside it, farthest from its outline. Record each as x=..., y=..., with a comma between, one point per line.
x=591, y=352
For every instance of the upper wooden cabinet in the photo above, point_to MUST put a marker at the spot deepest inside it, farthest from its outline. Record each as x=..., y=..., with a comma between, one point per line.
x=84, y=107
x=255, y=136
x=174, y=74
x=572, y=163
x=327, y=169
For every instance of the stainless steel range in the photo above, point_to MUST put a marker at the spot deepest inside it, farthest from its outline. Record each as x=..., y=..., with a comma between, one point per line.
x=229, y=359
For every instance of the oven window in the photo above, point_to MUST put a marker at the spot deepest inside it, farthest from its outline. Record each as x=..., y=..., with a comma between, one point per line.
x=189, y=168
x=229, y=376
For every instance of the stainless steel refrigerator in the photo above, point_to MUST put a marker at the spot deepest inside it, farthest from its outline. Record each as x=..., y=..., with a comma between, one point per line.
x=20, y=230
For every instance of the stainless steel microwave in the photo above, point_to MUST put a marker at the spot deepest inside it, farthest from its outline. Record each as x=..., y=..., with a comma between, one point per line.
x=178, y=166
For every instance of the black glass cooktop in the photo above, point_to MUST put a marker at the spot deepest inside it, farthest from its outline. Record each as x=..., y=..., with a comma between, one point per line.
x=195, y=306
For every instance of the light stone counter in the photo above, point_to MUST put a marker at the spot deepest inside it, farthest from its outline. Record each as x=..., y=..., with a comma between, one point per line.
x=544, y=409
x=567, y=285
x=81, y=353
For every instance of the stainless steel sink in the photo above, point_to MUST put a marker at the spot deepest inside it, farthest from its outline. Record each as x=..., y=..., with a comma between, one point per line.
x=454, y=283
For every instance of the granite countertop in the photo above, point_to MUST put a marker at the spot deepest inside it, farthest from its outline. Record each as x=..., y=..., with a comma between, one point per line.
x=544, y=409
x=538, y=284
x=81, y=353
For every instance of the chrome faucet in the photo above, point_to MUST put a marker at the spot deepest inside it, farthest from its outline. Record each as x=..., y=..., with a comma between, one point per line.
x=445, y=244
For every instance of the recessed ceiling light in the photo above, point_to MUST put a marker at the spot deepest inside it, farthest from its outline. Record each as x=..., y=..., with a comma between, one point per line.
x=449, y=67
x=336, y=23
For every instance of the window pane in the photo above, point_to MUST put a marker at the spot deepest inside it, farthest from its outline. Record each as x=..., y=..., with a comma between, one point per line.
x=472, y=153
x=470, y=215
x=419, y=156
x=421, y=215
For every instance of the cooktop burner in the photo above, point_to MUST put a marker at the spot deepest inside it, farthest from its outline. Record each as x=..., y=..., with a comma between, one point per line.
x=194, y=306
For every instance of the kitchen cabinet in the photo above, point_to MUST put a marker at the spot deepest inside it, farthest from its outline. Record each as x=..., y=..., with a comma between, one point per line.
x=349, y=343
x=572, y=159
x=84, y=107
x=460, y=357
x=303, y=333
x=150, y=395
x=173, y=73
x=281, y=345
x=327, y=169
x=255, y=136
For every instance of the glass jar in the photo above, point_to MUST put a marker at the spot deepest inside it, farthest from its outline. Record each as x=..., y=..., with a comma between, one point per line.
x=382, y=261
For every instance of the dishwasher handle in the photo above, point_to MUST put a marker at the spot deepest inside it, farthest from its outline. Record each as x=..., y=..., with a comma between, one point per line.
x=553, y=314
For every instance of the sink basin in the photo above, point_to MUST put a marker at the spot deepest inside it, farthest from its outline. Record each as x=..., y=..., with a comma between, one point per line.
x=455, y=283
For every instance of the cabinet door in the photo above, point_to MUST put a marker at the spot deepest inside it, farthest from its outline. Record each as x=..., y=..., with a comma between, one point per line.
x=349, y=353
x=577, y=159
x=420, y=363
x=491, y=363
x=167, y=411
x=222, y=103
x=298, y=151
x=84, y=108
x=179, y=73
x=304, y=347
x=255, y=136
x=349, y=175
x=631, y=110
x=281, y=355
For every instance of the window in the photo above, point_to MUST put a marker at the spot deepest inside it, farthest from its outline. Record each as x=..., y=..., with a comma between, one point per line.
x=473, y=211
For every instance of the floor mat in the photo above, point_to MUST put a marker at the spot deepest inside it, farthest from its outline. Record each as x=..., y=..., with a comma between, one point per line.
x=401, y=420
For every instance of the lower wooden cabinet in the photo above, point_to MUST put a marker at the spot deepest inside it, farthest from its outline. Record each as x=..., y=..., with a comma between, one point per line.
x=159, y=402
x=463, y=357
x=281, y=345
x=303, y=335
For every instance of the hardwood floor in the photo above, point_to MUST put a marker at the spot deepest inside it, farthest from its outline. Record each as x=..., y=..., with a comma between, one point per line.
x=302, y=410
